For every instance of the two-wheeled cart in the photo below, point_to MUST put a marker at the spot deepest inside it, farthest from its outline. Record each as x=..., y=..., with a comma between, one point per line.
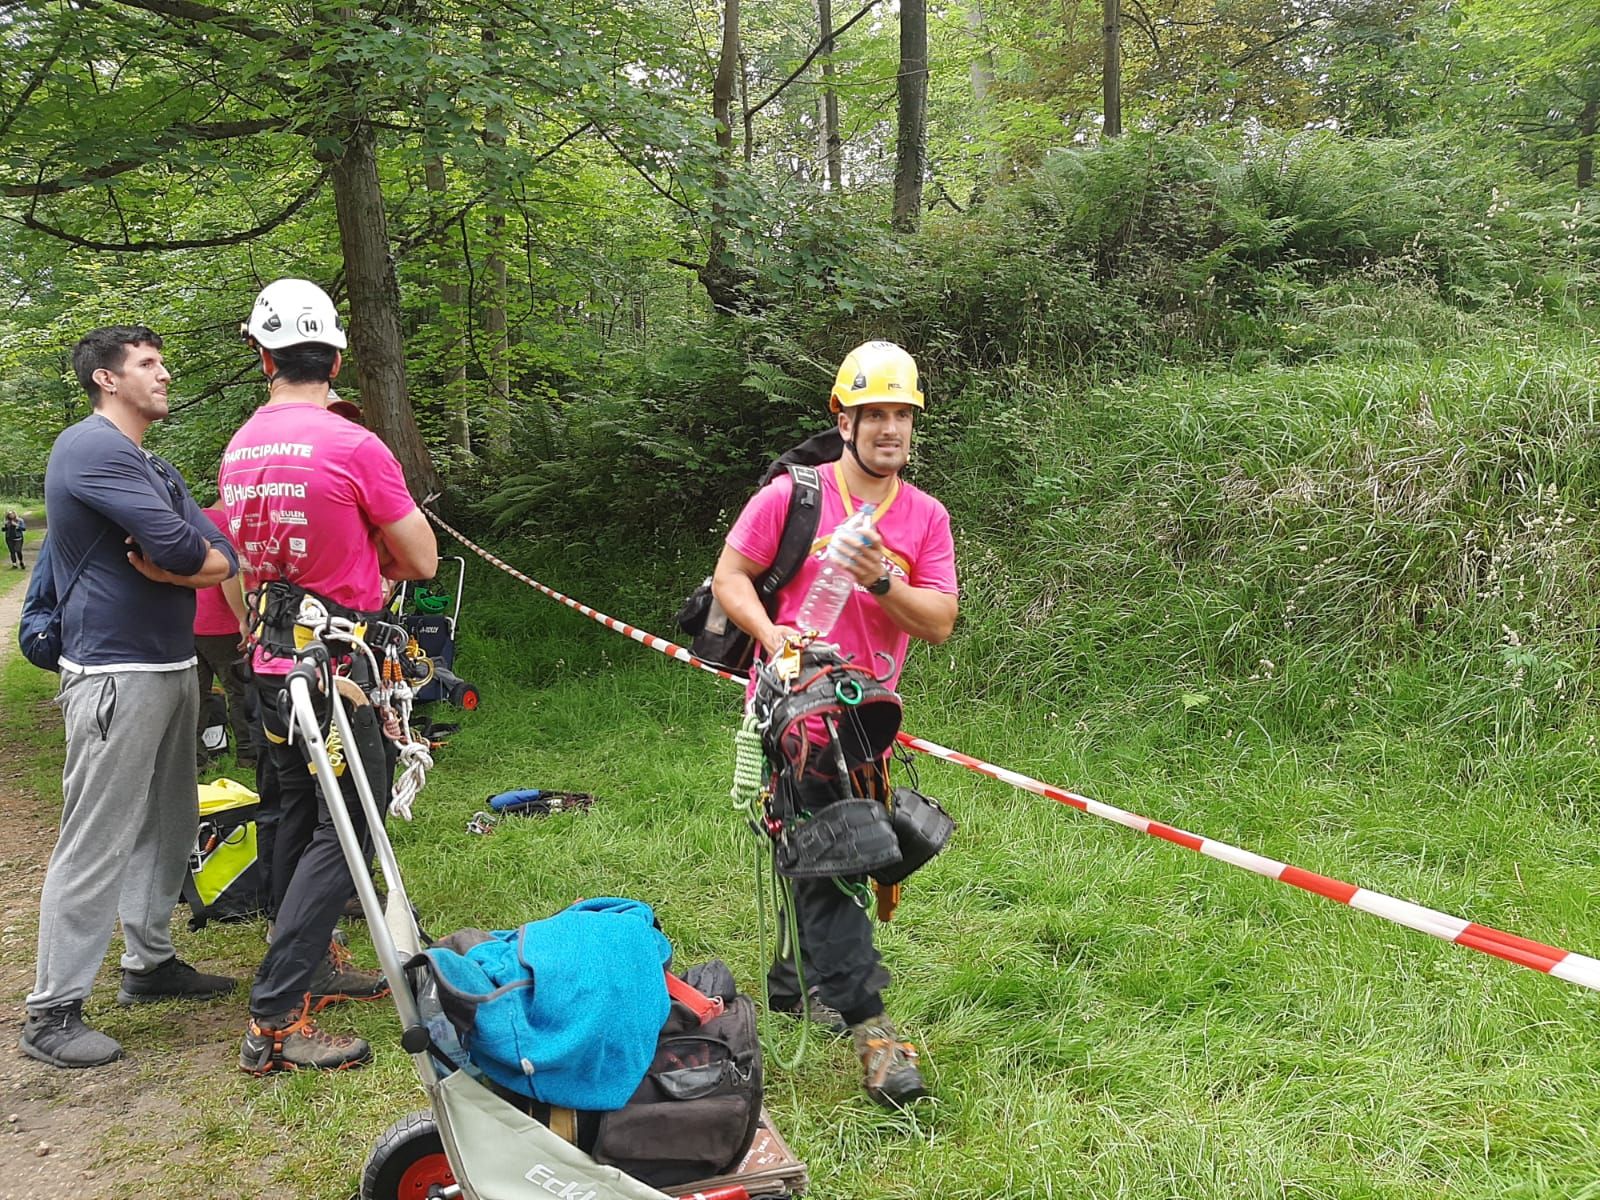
x=469, y=1142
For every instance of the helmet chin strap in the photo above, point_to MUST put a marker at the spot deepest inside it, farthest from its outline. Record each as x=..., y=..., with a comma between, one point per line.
x=850, y=445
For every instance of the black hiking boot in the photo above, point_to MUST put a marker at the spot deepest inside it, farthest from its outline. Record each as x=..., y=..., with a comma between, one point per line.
x=353, y=910
x=890, y=1065
x=172, y=980
x=291, y=1041
x=814, y=1010
x=337, y=979
x=59, y=1037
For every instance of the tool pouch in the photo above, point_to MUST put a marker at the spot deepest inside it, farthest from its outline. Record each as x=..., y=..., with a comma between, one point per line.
x=847, y=837
x=921, y=829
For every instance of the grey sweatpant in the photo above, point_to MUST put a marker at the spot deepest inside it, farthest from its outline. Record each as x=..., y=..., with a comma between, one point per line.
x=127, y=826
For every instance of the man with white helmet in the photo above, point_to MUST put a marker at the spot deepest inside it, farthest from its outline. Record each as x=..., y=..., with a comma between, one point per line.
x=904, y=569
x=316, y=505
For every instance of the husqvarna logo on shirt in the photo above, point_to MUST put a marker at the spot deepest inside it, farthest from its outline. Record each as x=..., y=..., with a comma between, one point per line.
x=547, y=1179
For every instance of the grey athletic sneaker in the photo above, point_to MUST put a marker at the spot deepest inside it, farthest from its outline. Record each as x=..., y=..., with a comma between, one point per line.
x=59, y=1037
x=291, y=1041
x=890, y=1065
x=337, y=979
x=172, y=980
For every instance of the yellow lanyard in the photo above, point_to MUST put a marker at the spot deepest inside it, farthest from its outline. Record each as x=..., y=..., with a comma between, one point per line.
x=849, y=501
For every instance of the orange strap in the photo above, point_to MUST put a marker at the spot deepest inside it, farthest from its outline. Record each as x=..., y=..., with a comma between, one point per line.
x=705, y=1007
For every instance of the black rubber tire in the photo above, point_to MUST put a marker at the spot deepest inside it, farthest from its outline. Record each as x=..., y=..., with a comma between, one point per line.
x=409, y=1156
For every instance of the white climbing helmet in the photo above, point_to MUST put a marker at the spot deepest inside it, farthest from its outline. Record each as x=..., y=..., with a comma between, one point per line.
x=290, y=312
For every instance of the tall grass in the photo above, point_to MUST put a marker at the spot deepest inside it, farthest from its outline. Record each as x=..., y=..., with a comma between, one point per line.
x=1295, y=545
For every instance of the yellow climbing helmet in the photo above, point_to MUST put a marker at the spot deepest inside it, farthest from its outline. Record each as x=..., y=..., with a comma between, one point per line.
x=876, y=373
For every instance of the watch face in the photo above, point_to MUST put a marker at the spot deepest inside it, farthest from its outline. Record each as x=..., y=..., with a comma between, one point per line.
x=880, y=586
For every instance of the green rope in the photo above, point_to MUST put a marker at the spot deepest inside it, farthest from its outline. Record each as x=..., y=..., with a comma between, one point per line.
x=749, y=771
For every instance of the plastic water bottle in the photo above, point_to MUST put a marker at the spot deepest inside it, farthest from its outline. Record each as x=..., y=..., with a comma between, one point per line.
x=826, y=598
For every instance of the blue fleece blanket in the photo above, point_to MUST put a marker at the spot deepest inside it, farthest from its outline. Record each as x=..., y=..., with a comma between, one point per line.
x=568, y=1009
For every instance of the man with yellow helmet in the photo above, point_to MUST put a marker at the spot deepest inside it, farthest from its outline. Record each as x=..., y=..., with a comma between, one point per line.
x=904, y=570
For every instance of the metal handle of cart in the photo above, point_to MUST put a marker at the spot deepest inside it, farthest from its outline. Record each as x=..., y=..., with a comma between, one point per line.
x=454, y=618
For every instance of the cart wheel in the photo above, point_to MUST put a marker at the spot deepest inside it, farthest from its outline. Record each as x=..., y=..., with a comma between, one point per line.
x=408, y=1162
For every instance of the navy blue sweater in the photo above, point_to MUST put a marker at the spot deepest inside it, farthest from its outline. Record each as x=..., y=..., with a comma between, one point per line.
x=99, y=485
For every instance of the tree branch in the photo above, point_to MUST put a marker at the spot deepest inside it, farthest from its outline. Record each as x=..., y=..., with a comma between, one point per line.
x=29, y=221
x=432, y=228
x=33, y=84
x=204, y=14
x=816, y=50
x=216, y=389
x=645, y=175
x=1274, y=40
x=167, y=140
x=1142, y=21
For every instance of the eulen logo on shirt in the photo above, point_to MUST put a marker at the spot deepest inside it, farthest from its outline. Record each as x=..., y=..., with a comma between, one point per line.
x=289, y=516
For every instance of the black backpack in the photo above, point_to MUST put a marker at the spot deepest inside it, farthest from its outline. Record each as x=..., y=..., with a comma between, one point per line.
x=696, y=1111
x=714, y=638
x=693, y=1115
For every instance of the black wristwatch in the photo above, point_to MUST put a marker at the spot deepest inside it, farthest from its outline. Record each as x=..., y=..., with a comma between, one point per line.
x=880, y=585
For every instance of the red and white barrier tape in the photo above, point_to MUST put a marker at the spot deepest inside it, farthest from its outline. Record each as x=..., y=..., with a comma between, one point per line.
x=1563, y=964
x=670, y=649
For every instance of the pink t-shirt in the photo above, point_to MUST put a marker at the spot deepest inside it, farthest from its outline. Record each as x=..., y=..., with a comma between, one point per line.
x=919, y=549
x=305, y=492
x=212, y=616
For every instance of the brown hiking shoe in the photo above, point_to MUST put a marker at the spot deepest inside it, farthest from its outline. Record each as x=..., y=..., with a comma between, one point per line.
x=337, y=979
x=891, y=1078
x=291, y=1041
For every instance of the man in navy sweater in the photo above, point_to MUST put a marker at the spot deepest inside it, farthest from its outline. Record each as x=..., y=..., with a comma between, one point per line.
x=128, y=699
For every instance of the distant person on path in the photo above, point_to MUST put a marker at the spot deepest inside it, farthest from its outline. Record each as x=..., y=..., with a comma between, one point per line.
x=905, y=587
x=15, y=527
x=127, y=697
x=217, y=649
x=317, y=506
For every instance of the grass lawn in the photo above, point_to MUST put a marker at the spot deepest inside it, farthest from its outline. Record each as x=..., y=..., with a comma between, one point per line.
x=1101, y=1014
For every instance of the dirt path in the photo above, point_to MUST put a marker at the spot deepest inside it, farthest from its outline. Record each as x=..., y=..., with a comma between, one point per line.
x=49, y=1137
x=65, y=1135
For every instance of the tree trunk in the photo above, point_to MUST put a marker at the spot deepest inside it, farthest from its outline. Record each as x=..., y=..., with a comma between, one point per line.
x=458, y=426
x=1588, y=121
x=496, y=439
x=744, y=110
x=981, y=72
x=982, y=69
x=718, y=276
x=376, y=344
x=497, y=419
x=911, y=88
x=1113, y=67
x=830, y=101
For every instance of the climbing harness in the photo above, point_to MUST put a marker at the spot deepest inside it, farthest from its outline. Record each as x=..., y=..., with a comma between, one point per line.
x=375, y=656
x=813, y=714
